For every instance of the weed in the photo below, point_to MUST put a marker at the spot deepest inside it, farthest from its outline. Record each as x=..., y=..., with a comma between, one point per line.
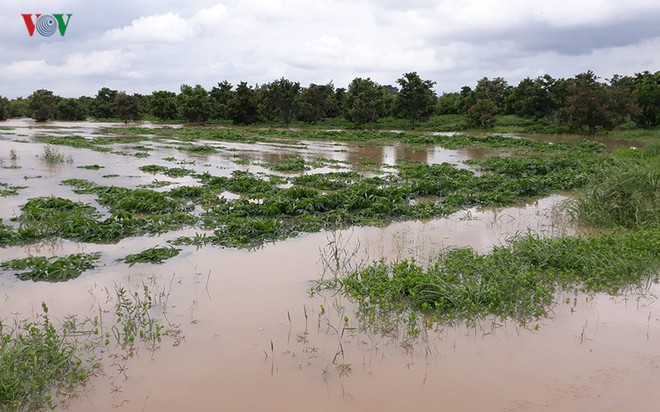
x=91, y=167
x=53, y=155
x=38, y=360
x=135, y=321
x=13, y=155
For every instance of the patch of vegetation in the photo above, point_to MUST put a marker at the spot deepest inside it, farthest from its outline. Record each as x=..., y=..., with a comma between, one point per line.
x=53, y=155
x=37, y=360
x=518, y=280
x=205, y=149
x=51, y=217
x=628, y=196
x=289, y=164
x=52, y=269
x=9, y=190
x=155, y=255
x=156, y=184
x=91, y=167
x=168, y=171
x=136, y=321
x=41, y=361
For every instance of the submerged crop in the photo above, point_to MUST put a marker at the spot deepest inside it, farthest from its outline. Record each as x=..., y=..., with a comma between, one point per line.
x=53, y=269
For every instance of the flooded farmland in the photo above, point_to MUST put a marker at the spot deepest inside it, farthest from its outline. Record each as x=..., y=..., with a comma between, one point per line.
x=246, y=332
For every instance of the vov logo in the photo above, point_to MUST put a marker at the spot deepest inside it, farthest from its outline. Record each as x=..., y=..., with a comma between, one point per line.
x=46, y=24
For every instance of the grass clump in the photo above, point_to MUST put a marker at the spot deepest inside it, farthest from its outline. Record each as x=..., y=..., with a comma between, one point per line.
x=37, y=360
x=53, y=155
x=155, y=255
x=52, y=269
x=627, y=198
x=518, y=280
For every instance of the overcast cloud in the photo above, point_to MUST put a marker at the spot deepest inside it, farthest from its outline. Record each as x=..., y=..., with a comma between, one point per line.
x=146, y=45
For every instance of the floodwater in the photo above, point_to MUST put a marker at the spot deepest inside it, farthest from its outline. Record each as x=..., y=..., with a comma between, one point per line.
x=256, y=340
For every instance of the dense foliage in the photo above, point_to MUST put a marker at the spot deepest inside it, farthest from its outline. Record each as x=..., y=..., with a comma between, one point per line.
x=583, y=104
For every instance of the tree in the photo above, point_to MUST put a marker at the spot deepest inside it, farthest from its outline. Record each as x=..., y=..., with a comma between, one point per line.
x=416, y=99
x=103, y=106
x=533, y=98
x=280, y=100
x=317, y=102
x=128, y=107
x=43, y=105
x=467, y=98
x=19, y=107
x=365, y=101
x=647, y=94
x=449, y=103
x=194, y=103
x=481, y=114
x=496, y=90
x=71, y=109
x=4, y=108
x=220, y=96
x=163, y=105
x=591, y=105
x=244, y=105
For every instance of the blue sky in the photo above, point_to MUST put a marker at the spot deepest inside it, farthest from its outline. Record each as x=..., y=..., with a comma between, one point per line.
x=141, y=46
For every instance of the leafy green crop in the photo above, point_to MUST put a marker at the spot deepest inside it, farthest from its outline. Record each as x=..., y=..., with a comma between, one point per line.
x=52, y=269
x=155, y=255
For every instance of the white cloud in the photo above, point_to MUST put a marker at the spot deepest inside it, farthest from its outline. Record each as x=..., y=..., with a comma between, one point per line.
x=166, y=28
x=101, y=62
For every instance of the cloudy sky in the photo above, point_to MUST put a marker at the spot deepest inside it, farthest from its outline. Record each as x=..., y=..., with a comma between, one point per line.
x=146, y=45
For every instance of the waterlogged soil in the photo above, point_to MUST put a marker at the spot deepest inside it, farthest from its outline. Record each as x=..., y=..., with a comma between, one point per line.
x=256, y=340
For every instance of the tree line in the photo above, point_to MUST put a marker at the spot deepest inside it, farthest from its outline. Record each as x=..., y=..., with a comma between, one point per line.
x=584, y=103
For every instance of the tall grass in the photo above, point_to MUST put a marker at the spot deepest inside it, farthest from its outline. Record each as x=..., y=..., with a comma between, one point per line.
x=626, y=194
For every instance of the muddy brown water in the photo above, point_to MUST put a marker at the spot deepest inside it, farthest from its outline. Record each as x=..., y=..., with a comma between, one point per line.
x=256, y=340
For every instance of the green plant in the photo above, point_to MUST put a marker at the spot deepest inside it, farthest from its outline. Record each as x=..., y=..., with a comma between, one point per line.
x=288, y=164
x=628, y=197
x=518, y=280
x=53, y=269
x=152, y=255
x=37, y=360
x=53, y=155
x=91, y=167
x=135, y=319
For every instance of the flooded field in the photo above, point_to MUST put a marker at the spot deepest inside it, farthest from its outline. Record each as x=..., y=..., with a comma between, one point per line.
x=246, y=332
